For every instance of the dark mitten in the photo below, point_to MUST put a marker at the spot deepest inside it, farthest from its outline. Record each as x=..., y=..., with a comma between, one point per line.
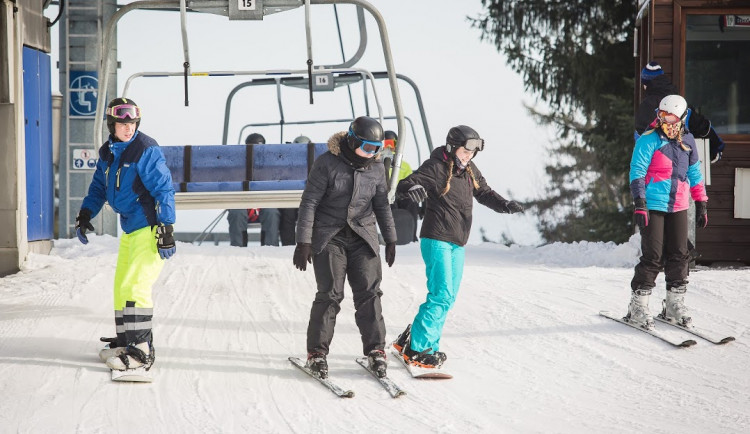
x=83, y=223
x=417, y=193
x=641, y=213
x=390, y=253
x=716, y=145
x=165, y=241
x=302, y=256
x=514, y=207
x=701, y=214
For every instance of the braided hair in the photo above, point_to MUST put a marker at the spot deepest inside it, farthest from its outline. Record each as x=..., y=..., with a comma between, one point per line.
x=450, y=176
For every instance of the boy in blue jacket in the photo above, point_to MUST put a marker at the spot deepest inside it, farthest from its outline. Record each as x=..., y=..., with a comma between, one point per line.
x=132, y=176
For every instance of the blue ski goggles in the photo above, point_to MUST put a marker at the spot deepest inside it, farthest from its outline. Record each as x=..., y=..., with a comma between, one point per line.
x=367, y=146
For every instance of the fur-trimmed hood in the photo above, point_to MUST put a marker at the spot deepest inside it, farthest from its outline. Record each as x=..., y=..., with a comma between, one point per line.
x=335, y=141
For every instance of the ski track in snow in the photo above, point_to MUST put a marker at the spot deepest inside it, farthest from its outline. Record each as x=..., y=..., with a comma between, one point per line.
x=525, y=343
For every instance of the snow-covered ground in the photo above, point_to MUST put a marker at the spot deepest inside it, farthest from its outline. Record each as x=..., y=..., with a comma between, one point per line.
x=526, y=345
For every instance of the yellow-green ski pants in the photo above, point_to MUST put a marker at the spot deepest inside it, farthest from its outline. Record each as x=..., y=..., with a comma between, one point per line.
x=138, y=267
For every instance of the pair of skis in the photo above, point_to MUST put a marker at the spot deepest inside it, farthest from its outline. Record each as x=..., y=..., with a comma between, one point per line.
x=389, y=385
x=708, y=335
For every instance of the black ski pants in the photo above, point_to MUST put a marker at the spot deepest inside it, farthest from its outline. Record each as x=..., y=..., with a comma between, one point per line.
x=346, y=256
x=663, y=241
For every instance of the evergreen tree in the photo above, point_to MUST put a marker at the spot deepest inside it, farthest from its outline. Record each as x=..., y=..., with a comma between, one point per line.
x=576, y=57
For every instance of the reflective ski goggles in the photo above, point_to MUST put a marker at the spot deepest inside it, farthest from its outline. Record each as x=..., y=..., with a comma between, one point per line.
x=668, y=118
x=125, y=111
x=389, y=144
x=367, y=146
x=474, y=144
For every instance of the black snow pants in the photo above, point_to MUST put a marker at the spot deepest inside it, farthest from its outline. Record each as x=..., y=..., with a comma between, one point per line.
x=663, y=241
x=346, y=256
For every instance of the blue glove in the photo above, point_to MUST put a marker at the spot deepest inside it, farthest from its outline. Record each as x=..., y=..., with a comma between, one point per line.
x=165, y=241
x=83, y=223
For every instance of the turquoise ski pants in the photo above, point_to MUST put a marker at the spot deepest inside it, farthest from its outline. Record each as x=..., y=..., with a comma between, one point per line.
x=444, y=265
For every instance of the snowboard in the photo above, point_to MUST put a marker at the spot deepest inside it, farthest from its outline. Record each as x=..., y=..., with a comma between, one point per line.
x=137, y=375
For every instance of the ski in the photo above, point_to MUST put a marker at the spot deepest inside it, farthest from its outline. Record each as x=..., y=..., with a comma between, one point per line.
x=417, y=372
x=386, y=382
x=708, y=335
x=654, y=333
x=333, y=387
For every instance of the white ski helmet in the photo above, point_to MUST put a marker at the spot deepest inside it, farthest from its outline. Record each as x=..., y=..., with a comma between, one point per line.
x=675, y=105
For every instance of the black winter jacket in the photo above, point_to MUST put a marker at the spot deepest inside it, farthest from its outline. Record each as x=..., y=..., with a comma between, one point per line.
x=338, y=194
x=657, y=89
x=448, y=218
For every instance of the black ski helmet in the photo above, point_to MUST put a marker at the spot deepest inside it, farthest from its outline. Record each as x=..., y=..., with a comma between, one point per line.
x=390, y=135
x=364, y=129
x=457, y=137
x=111, y=119
x=255, y=139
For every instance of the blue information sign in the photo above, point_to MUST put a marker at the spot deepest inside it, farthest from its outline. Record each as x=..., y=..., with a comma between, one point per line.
x=84, y=88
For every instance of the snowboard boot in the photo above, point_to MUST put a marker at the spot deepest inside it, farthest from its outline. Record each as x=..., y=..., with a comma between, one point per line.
x=638, y=312
x=403, y=340
x=111, y=349
x=377, y=363
x=425, y=359
x=317, y=363
x=135, y=356
x=674, y=309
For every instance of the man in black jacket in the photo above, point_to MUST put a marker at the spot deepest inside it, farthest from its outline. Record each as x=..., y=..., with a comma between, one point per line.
x=657, y=86
x=345, y=196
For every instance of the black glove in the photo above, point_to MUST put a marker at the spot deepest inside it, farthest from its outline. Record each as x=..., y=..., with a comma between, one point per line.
x=165, y=241
x=390, y=253
x=641, y=213
x=417, y=193
x=701, y=214
x=83, y=223
x=302, y=256
x=513, y=207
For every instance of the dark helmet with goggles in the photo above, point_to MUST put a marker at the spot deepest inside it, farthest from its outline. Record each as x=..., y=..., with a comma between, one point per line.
x=123, y=110
x=463, y=136
x=365, y=133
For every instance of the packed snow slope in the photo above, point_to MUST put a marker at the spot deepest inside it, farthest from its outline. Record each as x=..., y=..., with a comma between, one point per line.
x=525, y=343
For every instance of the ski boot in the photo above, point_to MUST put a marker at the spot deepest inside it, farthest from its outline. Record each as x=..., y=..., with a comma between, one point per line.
x=377, y=363
x=317, y=363
x=674, y=309
x=638, y=312
x=111, y=349
x=135, y=356
x=403, y=340
x=425, y=359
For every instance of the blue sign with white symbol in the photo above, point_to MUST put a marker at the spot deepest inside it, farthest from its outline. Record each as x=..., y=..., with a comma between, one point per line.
x=84, y=89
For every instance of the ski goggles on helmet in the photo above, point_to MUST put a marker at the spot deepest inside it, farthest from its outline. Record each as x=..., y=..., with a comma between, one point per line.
x=367, y=146
x=389, y=144
x=474, y=144
x=668, y=118
x=124, y=111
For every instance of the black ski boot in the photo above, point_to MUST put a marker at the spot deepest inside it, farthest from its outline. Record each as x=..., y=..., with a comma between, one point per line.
x=424, y=359
x=377, y=363
x=317, y=363
x=403, y=340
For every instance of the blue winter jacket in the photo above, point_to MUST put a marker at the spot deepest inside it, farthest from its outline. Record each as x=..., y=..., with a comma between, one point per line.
x=134, y=179
x=666, y=173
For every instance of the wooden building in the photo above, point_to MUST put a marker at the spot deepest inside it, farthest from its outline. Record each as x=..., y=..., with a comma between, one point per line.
x=704, y=47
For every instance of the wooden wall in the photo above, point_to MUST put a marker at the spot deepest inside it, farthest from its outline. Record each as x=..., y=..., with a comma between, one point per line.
x=662, y=33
